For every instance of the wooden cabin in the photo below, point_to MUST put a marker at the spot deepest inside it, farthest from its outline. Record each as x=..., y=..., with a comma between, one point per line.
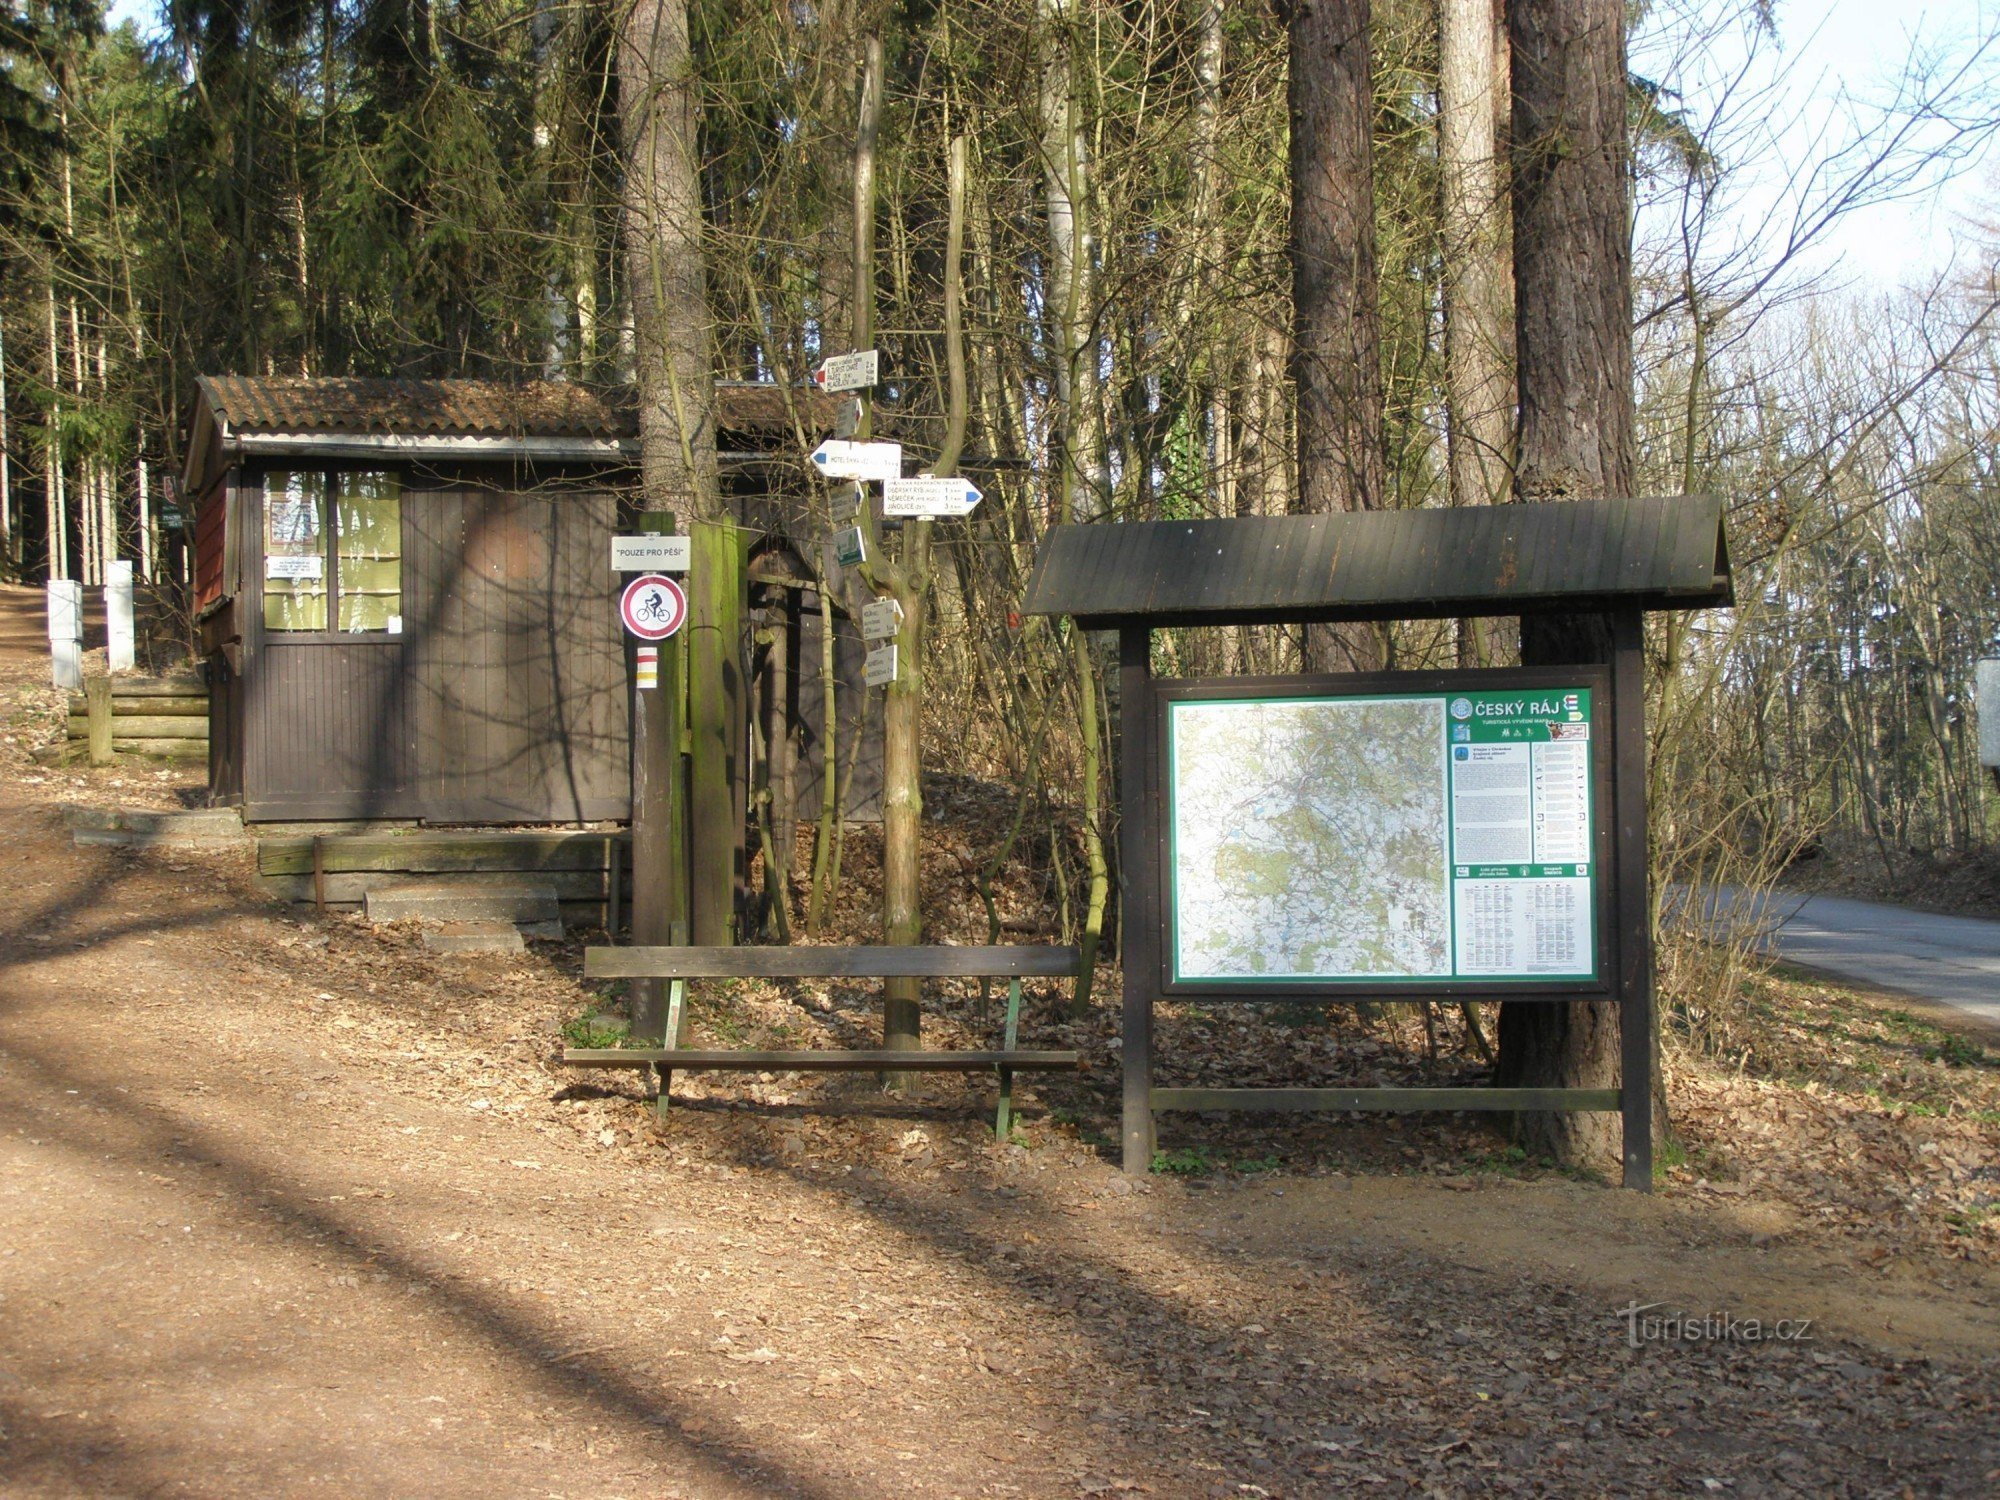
x=405, y=600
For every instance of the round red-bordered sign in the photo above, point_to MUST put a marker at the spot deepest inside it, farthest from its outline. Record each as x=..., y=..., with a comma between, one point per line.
x=653, y=607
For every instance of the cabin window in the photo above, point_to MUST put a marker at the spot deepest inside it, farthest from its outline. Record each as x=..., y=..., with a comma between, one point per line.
x=357, y=581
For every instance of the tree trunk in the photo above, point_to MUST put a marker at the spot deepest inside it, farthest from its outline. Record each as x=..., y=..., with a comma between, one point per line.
x=671, y=337
x=1336, y=334
x=1573, y=330
x=1070, y=288
x=663, y=248
x=1478, y=282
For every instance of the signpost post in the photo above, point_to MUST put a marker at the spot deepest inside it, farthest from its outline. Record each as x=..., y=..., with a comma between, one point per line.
x=652, y=608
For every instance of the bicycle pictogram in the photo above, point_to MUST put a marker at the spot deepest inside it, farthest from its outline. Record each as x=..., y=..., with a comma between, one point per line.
x=653, y=607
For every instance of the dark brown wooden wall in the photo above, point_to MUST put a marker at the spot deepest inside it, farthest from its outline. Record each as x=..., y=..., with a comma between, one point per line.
x=327, y=730
x=519, y=675
x=502, y=701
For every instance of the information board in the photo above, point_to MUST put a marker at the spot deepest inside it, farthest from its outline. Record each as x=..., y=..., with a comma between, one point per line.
x=1446, y=837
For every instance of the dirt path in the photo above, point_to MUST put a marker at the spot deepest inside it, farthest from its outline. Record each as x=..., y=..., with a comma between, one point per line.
x=291, y=1208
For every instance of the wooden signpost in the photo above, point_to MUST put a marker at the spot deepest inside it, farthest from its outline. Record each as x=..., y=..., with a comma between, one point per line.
x=659, y=802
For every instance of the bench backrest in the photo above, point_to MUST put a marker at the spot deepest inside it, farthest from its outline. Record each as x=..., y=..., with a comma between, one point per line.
x=1013, y=962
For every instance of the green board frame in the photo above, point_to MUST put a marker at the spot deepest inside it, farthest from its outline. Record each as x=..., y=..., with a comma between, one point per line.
x=1565, y=696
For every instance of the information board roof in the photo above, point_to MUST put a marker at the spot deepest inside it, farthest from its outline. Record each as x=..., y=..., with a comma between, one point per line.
x=1656, y=554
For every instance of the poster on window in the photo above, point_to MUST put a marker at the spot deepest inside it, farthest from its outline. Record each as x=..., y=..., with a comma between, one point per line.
x=292, y=516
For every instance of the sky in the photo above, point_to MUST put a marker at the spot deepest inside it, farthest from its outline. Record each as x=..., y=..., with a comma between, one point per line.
x=1788, y=104
x=1791, y=100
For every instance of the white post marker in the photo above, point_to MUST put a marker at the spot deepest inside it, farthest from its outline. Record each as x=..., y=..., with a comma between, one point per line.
x=66, y=632
x=1986, y=679
x=651, y=553
x=653, y=607
x=849, y=372
x=929, y=496
x=878, y=668
x=646, y=669
x=838, y=459
x=118, y=623
x=880, y=619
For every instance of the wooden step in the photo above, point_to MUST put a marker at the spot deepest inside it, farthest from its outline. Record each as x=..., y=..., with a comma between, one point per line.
x=462, y=901
x=428, y=851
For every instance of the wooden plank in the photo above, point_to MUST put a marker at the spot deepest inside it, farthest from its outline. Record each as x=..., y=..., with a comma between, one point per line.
x=817, y=1062
x=430, y=852
x=1637, y=1041
x=1386, y=1101
x=148, y=727
x=158, y=687
x=1139, y=931
x=164, y=749
x=352, y=885
x=1027, y=962
x=121, y=705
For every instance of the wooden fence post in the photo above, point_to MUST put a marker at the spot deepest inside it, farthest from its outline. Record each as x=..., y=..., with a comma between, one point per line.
x=97, y=707
x=717, y=600
x=659, y=795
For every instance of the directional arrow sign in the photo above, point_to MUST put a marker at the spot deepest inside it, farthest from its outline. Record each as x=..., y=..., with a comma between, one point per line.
x=926, y=496
x=880, y=619
x=849, y=372
x=843, y=460
x=878, y=667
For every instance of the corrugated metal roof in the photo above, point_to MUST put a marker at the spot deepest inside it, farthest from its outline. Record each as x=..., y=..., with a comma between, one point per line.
x=479, y=408
x=1665, y=553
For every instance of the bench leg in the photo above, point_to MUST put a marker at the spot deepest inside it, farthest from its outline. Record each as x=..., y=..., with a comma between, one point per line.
x=676, y=1023
x=1003, y=1119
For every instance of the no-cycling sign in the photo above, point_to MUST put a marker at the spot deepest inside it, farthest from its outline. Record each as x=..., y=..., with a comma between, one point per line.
x=653, y=607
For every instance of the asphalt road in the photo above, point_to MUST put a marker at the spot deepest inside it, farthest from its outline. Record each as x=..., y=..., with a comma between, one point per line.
x=1953, y=960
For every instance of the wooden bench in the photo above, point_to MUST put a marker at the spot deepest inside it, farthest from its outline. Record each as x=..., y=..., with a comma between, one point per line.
x=680, y=965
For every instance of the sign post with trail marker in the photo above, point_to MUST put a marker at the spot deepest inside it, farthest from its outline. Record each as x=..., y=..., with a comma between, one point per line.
x=878, y=668
x=849, y=372
x=880, y=619
x=927, y=495
x=837, y=458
